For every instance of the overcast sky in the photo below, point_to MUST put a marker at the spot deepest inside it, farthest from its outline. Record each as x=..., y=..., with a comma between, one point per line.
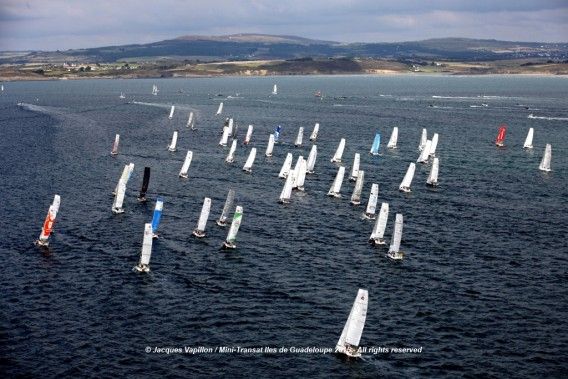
x=65, y=24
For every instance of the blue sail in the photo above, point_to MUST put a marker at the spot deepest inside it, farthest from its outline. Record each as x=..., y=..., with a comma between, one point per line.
x=277, y=133
x=157, y=214
x=376, y=144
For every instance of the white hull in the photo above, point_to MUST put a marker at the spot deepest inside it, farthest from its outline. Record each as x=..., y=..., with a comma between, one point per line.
x=117, y=211
x=229, y=245
x=141, y=268
x=199, y=233
x=221, y=223
x=396, y=256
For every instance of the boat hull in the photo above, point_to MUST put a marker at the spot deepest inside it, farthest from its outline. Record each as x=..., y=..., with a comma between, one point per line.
x=141, y=268
x=199, y=233
x=404, y=189
x=117, y=211
x=229, y=245
x=395, y=255
x=221, y=223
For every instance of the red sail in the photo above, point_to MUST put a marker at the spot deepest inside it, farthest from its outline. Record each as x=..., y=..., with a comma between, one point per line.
x=501, y=135
x=48, y=223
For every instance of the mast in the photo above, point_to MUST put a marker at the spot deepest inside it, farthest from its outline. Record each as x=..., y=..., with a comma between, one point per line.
x=356, y=197
x=145, y=183
x=227, y=208
x=433, y=177
x=372, y=204
x=286, y=166
x=202, y=223
x=186, y=163
x=528, y=142
x=231, y=156
x=157, y=216
x=336, y=186
x=270, y=146
x=377, y=236
x=173, y=144
x=394, y=138
x=350, y=338
x=547, y=157
x=423, y=139
x=339, y=152
x=407, y=180
x=115, y=145
x=250, y=160
x=315, y=132
x=376, y=144
x=355, y=169
x=312, y=159
x=299, y=137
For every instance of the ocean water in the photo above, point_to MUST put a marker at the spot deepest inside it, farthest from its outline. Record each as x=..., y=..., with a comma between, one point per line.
x=482, y=289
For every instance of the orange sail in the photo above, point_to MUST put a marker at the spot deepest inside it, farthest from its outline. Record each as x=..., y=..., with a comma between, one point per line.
x=501, y=135
x=48, y=223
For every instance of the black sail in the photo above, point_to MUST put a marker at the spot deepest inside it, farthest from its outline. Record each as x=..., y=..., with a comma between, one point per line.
x=145, y=183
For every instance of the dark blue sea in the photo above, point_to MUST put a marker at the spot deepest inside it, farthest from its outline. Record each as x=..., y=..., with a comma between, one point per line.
x=483, y=288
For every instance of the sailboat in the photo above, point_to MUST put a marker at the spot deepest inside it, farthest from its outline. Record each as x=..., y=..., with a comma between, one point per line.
x=545, y=162
x=394, y=138
x=500, y=140
x=230, y=127
x=224, y=137
x=190, y=121
x=249, y=134
x=299, y=137
x=172, y=112
x=172, y=147
x=277, y=133
x=423, y=139
x=275, y=90
x=372, y=204
x=394, y=249
x=122, y=96
x=270, y=146
x=231, y=156
x=126, y=173
x=49, y=222
x=286, y=166
x=356, y=197
x=119, y=198
x=144, y=262
x=222, y=221
x=336, y=186
x=433, y=145
x=348, y=342
x=155, y=90
x=315, y=132
x=433, y=177
x=230, y=242
x=377, y=236
x=425, y=153
x=407, y=180
x=199, y=232
x=339, y=152
x=355, y=168
x=145, y=183
x=115, y=145
x=250, y=160
x=287, y=190
x=157, y=216
x=312, y=159
x=376, y=145
x=528, y=142
x=220, y=109
x=300, y=174
x=186, y=163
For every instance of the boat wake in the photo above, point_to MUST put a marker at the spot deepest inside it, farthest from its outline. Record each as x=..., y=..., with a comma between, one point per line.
x=547, y=118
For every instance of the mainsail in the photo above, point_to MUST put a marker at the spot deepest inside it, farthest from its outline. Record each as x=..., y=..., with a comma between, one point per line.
x=250, y=160
x=145, y=183
x=433, y=176
x=395, y=243
x=355, y=168
x=500, y=140
x=348, y=342
x=172, y=112
x=49, y=222
x=225, y=136
x=299, y=137
x=407, y=180
x=173, y=144
x=433, y=145
x=220, y=109
x=380, y=226
x=157, y=215
x=286, y=166
x=545, y=162
x=227, y=207
x=146, y=253
x=376, y=144
x=528, y=142
x=235, y=225
x=249, y=134
x=356, y=197
x=394, y=138
x=315, y=132
x=336, y=186
x=231, y=156
x=202, y=223
x=372, y=204
x=423, y=139
x=115, y=145
x=425, y=153
x=339, y=152
x=186, y=163
x=312, y=159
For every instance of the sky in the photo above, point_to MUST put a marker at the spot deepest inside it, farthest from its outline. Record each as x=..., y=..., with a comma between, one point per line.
x=68, y=24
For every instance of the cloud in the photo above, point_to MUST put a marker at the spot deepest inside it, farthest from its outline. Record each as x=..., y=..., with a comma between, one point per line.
x=63, y=24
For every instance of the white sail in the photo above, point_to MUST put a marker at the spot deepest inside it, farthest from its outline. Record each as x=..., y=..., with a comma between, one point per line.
x=125, y=176
x=225, y=136
x=155, y=90
x=146, y=245
x=173, y=144
x=528, y=142
x=56, y=202
x=232, y=235
x=315, y=132
x=119, y=198
x=186, y=163
x=312, y=159
x=115, y=145
x=407, y=180
x=204, y=215
x=336, y=186
x=299, y=137
x=433, y=145
x=433, y=176
x=372, y=204
x=227, y=207
x=394, y=138
x=348, y=342
x=286, y=166
x=545, y=162
x=301, y=175
x=275, y=90
x=270, y=146
x=379, y=229
x=172, y=112
x=423, y=139
x=339, y=152
x=249, y=134
x=190, y=120
x=356, y=196
x=250, y=160
x=220, y=109
x=287, y=190
x=355, y=168
x=231, y=156
x=425, y=153
x=397, y=236
x=231, y=127
x=296, y=170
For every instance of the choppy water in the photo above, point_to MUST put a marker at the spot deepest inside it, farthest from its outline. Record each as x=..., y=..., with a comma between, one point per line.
x=482, y=289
